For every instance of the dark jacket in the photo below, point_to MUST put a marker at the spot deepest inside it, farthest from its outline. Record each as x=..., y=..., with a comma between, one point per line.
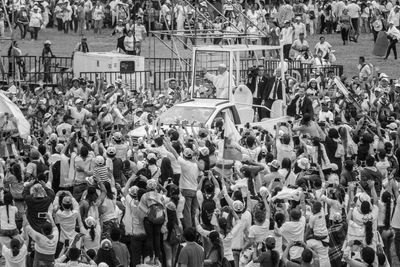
x=305, y=108
x=36, y=205
x=270, y=87
x=262, y=85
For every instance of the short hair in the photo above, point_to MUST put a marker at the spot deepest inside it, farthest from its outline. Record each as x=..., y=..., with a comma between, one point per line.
x=362, y=59
x=295, y=214
x=74, y=254
x=115, y=234
x=370, y=161
x=307, y=255
x=190, y=234
x=47, y=228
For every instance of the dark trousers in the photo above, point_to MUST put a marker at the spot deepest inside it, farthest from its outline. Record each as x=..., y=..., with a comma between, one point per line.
x=345, y=34
x=392, y=46
x=66, y=26
x=354, y=22
x=268, y=104
x=286, y=51
x=23, y=29
x=165, y=28
x=60, y=24
x=75, y=24
x=375, y=33
x=257, y=101
x=397, y=241
x=153, y=232
x=34, y=32
x=138, y=249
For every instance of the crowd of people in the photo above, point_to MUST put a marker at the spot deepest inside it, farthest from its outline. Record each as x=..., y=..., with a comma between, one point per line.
x=320, y=190
x=268, y=23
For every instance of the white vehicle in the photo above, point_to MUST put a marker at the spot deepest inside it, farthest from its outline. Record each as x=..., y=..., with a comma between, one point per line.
x=129, y=68
x=235, y=101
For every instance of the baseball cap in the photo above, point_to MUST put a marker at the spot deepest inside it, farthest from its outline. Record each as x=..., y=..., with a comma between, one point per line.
x=111, y=151
x=238, y=206
x=99, y=160
x=275, y=164
x=188, y=153
x=67, y=200
x=151, y=156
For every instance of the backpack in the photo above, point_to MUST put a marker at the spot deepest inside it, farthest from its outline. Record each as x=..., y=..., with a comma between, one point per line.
x=207, y=209
x=156, y=214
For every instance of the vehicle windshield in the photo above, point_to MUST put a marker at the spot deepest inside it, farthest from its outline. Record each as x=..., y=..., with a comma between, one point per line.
x=189, y=114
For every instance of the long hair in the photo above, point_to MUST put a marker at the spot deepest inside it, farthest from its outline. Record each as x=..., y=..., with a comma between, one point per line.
x=109, y=193
x=16, y=171
x=166, y=170
x=387, y=199
x=7, y=202
x=369, y=234
x=91, y=195
x=274, y=254
x=92, y=233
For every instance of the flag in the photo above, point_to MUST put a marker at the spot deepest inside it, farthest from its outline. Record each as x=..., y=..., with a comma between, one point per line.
x=231, y=141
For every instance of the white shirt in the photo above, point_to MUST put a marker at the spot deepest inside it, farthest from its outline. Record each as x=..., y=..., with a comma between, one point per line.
x=10, y=224
x=299, y=28
x=294, y=231
x=287, y=35
x=325, y=47
x=221, y=83
x=14, y=261
x=189, y=175
x=354, y=10
x=395, y=17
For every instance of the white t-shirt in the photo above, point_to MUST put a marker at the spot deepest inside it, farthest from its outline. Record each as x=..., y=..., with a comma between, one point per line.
x=324, y=47
x=326, y=116
x=354, y=10
x=259, y=232
x=78, y=116
x=189, y=175
x=67, y=220
x=238, y=238
x=294, y=231
x=14, y=261
x=10, y=224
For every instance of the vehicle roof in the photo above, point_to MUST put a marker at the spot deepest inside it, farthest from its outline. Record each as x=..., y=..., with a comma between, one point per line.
x=206, y=102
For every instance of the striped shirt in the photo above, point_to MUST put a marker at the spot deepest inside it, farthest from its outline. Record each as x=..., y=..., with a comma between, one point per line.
x=101, y=174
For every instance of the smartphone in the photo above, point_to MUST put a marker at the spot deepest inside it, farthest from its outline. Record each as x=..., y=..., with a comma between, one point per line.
x=42, y=215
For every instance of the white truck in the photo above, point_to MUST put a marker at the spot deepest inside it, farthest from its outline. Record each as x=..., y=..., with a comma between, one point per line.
x=127, y=67
x=238, y=103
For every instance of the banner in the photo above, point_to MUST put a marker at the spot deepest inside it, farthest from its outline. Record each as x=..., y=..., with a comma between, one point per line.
x=231, y=141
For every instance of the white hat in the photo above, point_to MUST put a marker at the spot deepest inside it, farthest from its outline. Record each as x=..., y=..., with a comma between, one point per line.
x=152, y=183
x=99, y=160
x=118, y=81
x=222, y=65
x=392, y=126
x=47, y=41
x=238, y=205
x=111, y=150
x=303, y=163
x=78, y=101
x=151, y=156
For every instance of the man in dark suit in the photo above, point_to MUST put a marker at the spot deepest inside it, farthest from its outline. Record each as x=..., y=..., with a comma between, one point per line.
x=257, y=86
x=300, y=105
x=274, y=91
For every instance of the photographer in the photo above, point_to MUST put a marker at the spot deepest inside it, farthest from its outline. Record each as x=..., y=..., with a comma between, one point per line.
x=38, y=198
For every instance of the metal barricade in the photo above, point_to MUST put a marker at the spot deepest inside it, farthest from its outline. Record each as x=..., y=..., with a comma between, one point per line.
x=183, y=78
x=168, y=64
x=134, y=81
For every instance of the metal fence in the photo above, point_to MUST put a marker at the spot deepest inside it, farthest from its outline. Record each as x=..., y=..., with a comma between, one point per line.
x=33, y=79
x=134, y=80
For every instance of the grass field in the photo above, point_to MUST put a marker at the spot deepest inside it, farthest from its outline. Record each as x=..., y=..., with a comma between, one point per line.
x=63, y=45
